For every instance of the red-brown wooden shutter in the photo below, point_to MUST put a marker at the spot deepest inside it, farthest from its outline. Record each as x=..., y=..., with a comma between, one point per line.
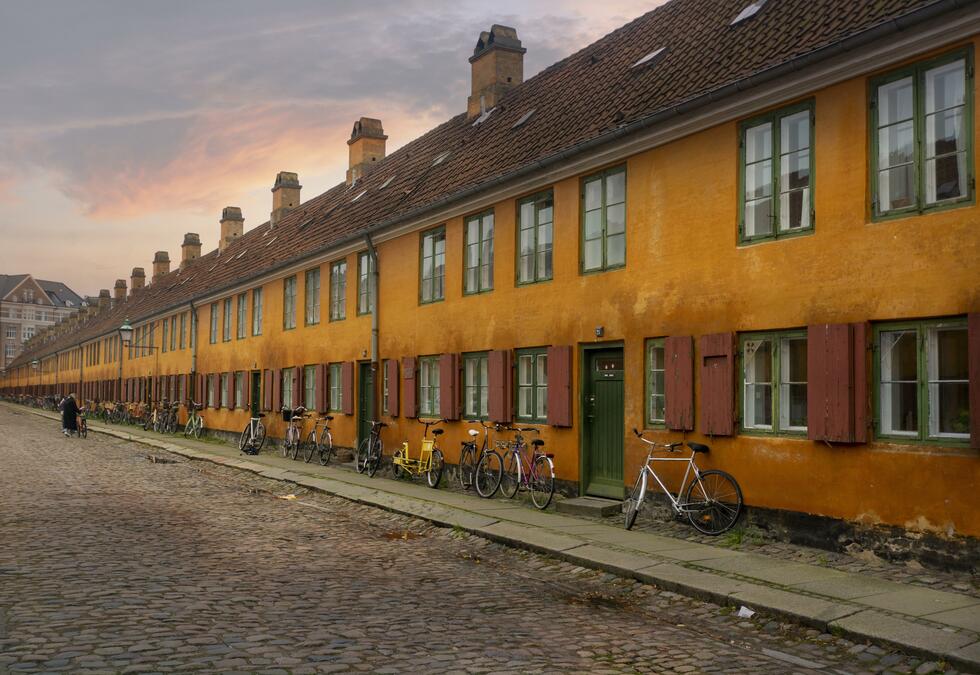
x=347, y=376
x=391, y=367
x=837, y=397
x=449, y=386
x=216, y=388
x=267, y=390
x=409, y=398
x=321, y=387
x=500, y=389
x=559, y=386
x=277, y=388
x=717, y=384
x=679, y=383
x=298, y=373
x=973, y=364
x=183, y=385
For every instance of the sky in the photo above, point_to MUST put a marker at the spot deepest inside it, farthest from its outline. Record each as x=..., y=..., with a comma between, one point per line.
x=126, y=123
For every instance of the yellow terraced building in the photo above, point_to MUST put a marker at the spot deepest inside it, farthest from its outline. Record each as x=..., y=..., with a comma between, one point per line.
x=740, y=223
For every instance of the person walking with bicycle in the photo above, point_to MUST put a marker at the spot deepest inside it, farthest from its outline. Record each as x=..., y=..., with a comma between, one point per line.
x=69, y=415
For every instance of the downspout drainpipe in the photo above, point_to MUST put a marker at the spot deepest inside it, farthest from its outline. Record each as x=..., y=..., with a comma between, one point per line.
x=196, y=395
x=375, y=375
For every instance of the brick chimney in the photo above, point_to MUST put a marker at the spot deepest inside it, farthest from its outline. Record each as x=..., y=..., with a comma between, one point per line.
x=190, y=249
x=497, y=65
x=161, y=264
x=367, y=145
x=137, y=280
x=232, y=226
x=104, y=299
x=119, y=290
x=285, y=195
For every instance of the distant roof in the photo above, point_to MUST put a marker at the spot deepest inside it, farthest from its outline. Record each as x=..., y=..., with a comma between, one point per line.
x=57, y=291
x=582, y=100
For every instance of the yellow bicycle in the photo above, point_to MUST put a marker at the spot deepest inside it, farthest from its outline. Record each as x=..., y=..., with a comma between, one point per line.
x=429, y=461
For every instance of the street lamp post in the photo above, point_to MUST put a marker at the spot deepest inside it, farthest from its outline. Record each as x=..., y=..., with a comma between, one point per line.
x=125, y=337
x=34, y=365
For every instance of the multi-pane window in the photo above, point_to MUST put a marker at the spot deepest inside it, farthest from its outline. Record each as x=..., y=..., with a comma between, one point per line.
x=288, y=378
x=432, y=272
x=428, y=376
x=532, y=385
x=478, y=256
x=774, y=383
x=166, y=341
x=224, y=390
x=777, y=173
x=922, y=148
x=226, y=324
x=173, y=332
x=309, y=387
x=655, y=383
x=338, y=290
x=604, y=220
x=365, y=283
x=213, y=334
x=312, y=292
x=475, y=381
x=212, y=394
x=242, y=315
x=535, y=232
x=239, y=389
x=289, y=303
x=256, y=311
x=183, y=330
x=336, y=387
x=923, y=381
x=182, y=388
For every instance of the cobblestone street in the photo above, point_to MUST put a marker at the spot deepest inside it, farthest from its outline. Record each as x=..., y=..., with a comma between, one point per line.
x=122, y=559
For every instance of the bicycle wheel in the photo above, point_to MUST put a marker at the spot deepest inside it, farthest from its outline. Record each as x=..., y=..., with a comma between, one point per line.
x=488, y=474
x=714, y=502
x=198, y=427
x=361, y=456
x=243, y=442
x=189, y=428
x=436, y=465
x=635, y=498
x=294, y=447
x=510, y=478
x=83, y=429
x=466, y=461
x=325, y=447
x=310, y=447
x=374, y=458
x=397, y=472
x=542, y=481
x=285, y=444
x=258, y=440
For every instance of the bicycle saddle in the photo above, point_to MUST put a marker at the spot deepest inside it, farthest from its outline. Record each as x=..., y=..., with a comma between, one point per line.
x=537, y=442
x=436, y=432
x=379, y=424
x=698, y=447
x=261, y=415
x=325, y=416
x=473, y=433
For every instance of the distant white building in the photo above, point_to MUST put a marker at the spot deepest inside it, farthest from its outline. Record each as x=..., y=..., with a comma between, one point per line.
x=28, y=305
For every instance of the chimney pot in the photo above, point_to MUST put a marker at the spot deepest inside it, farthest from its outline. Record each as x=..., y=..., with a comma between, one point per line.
x=119, y=290
x=366, y=146
x=137, y=280
x=497, y=65
x=232, y=226
x=190, y=249
x=161, y=264
x=104, y=299
x=285, y=195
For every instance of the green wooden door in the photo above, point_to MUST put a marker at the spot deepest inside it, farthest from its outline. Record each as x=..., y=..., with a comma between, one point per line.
x=604, y=423
x=365, y=401
x=256, y=388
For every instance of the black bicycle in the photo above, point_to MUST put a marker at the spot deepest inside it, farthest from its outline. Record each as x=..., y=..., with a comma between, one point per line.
x=480, y=467
x=370, y=451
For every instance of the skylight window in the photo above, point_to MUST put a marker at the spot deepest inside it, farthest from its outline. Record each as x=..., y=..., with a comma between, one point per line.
x=441, y=158
x=650, y=58
x=483, y=117
x=271, y=240
x=241, y=255
x=386, y=183
x=359, y=195
x=524, y=118
x=748, y=12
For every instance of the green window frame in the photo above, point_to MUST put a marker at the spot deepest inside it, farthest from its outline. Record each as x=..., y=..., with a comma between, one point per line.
x=922, y=138
x=289, y=303
x=773, y=391
x=478, y=253
x=921, y=381
x=164, y=343
x=309, y=387
x=173, y=333
x=213, y=335
x=535, y=238
x=428, y=377
x=242, y=316
x=338, y=290
x=183, y=330
x=311, y=291
x=225, y=393
x=256, y=311
x=239, y=389
x=432, y=265
x=475, y=386
x=776, y=174
x=603, y=230
x=286, y=387
x=226, y=321
x=336, y=383
x=532, y=385
x=655, y=399
x=385, y=393
x=366, y=291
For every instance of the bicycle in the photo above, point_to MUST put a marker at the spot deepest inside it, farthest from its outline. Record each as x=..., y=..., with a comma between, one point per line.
x=195, y=423
x=294, y=430
x=322, y=447
x=536, y=473
x=472, y=465
x=370, y=451
x=82, y=423
x=429, y=462
x=713, y=500
x=253, y=436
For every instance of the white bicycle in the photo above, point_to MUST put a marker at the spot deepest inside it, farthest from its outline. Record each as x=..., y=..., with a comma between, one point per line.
x=253, y=436
x=712, y=501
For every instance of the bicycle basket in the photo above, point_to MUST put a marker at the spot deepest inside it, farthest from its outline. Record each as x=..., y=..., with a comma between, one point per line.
x=287, y=415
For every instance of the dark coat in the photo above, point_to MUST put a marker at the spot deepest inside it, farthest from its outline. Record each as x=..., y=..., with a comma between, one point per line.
x=69, y=414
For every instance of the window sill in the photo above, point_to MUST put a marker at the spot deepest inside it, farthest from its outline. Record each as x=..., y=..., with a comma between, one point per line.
x=779, y=236
x=913, y=212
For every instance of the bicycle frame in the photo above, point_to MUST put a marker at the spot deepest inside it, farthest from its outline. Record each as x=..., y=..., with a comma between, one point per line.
x=422, y=464
x=675, y=502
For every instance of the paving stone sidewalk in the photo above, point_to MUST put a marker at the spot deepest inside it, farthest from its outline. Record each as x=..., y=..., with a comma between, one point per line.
x=935, y=624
